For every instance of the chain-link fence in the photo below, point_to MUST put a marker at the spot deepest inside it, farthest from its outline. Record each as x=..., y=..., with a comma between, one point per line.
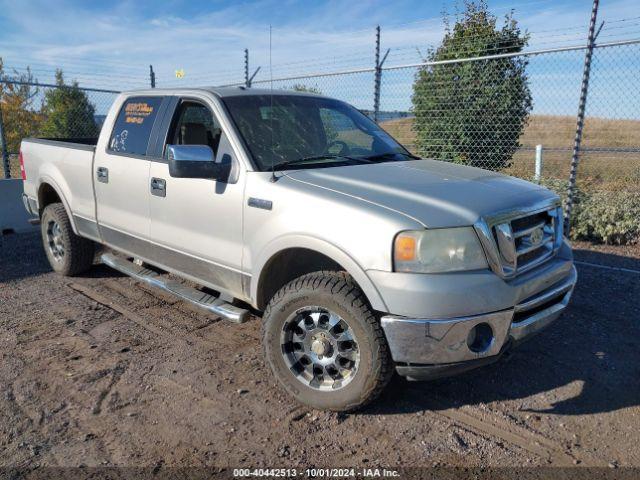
x=515, y=113
x=48, y=111
x=475, y=115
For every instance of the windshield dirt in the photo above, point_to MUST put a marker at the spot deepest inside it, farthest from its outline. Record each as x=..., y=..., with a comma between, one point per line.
x=297, y=131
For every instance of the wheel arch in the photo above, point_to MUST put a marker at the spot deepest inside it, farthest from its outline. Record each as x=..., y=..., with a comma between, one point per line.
x=290, y=258
x=48, y=193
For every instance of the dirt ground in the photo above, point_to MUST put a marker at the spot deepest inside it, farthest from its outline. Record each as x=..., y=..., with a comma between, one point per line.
x=100, y=370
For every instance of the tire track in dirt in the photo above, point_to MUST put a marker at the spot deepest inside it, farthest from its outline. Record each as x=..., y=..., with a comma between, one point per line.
x=495, y=427
x=480, y=422
x=224, y=403
x=259, y=409
x=190, y=315
x=157, y=326
x=536, y=444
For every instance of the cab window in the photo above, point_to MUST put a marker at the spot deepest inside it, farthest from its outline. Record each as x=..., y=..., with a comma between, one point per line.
x=133, y=126
x=194, y=124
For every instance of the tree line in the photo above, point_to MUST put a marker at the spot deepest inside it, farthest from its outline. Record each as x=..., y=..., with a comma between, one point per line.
x=31, y=110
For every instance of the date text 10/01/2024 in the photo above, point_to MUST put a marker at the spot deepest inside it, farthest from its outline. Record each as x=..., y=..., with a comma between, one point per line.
x=317, y=472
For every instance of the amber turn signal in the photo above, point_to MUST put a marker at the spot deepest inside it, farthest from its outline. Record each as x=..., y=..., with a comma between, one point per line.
x=405, y=249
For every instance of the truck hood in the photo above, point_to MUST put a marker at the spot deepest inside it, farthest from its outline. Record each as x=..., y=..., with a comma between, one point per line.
x=436, y=194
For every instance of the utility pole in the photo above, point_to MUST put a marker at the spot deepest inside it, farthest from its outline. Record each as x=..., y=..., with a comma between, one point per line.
x=378, y=76
x=152, y=76
x=575, y=156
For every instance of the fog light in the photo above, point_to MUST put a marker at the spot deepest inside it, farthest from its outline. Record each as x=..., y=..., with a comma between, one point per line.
x=480, y=338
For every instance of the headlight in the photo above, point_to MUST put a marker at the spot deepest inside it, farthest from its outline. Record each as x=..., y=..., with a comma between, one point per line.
x=438, y=250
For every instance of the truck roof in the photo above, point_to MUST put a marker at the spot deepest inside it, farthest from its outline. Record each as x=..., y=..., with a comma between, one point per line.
x=220, y=91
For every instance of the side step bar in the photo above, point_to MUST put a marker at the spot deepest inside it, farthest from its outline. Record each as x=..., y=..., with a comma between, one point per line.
x=203, y=300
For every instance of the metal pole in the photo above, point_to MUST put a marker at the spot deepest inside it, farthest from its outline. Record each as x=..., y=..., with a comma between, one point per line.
x=538, y=173
x=246, y=68
x=3, y=146
x=575, y=157
x=152, y=76
x=376, y=83
x=378, y=76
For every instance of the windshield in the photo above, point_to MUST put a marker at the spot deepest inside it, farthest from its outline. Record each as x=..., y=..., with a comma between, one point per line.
x=297, y=131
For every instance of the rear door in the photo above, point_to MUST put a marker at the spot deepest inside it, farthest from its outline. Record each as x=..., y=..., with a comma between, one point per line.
x=121, y=174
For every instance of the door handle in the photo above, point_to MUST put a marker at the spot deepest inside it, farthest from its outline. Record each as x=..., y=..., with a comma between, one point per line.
x=159, y=187
x=102, y=174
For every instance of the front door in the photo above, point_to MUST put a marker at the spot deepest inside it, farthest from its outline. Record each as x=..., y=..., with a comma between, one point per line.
x=198, y=222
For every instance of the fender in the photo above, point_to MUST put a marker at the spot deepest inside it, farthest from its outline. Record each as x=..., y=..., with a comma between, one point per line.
x=50, y=181
x=321, y=246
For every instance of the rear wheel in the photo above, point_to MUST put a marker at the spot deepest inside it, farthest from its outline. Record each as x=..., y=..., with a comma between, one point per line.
x=324, y=344
x=67, y=253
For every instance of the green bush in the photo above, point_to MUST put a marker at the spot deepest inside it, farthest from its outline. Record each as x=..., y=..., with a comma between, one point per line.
x=602, y=216
x=608, y=217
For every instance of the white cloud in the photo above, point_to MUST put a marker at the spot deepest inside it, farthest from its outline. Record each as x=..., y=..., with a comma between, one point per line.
x=115, y=46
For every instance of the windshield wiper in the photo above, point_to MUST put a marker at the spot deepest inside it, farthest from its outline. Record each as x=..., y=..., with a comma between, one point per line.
x=295, y=161
x=380, y=156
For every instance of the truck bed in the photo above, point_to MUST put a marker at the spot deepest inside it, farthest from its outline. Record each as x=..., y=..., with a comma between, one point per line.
x=66, y=164
x=80, y=143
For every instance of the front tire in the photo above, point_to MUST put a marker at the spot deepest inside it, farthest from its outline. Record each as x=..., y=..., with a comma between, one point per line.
x=324, y=343
x=68, y=254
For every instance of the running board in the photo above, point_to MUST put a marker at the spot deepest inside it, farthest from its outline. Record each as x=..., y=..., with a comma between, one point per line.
x=203, y=300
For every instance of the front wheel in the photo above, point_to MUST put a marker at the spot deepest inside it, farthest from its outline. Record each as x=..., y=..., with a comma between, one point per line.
x=324, y=344
x=67, y=253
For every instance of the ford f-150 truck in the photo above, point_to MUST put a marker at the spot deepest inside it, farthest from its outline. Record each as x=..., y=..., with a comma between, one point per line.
x=362, y=258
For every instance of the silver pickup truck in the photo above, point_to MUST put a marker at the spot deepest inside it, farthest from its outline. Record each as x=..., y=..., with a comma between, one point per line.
x=363, y=258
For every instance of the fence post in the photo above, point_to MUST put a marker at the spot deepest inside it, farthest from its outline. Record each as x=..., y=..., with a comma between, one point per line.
x=3, y=146
x=152, y=76
x=248, y=79
x=246, y=68
x=378, y=76
x=575, y=157
x=538, y=173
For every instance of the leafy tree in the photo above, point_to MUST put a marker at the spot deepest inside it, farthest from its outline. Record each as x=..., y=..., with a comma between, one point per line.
x=473, y=112
x=68, y=112
x=20, y=117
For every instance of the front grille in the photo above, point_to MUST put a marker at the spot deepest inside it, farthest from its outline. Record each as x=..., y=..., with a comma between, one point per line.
x=534, y=237
x=520, y=241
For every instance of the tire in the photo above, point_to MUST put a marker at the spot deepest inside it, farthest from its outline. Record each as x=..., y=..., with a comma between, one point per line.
x=337, y=295
x=68, y=254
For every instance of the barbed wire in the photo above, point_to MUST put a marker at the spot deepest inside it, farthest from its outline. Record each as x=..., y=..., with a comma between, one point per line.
x=125, y=76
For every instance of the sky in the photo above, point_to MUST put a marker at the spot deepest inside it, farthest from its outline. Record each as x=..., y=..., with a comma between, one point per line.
x=111, y=44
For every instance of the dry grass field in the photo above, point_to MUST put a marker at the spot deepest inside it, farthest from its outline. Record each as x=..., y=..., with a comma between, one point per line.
x=615, y=169
x=606, y=169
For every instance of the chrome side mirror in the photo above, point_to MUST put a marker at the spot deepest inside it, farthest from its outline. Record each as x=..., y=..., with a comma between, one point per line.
x=196, y=161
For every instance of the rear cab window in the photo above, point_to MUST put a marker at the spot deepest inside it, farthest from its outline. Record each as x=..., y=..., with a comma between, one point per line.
x=132, y=128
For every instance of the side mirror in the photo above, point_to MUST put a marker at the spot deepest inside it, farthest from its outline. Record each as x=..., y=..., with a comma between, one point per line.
x=196, y=161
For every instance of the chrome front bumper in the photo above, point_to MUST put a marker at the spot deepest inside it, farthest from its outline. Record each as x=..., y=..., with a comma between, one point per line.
x=432, y=345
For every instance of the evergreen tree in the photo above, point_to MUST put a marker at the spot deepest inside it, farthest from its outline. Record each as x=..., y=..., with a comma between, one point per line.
x=473, y=112
x=67, y=111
